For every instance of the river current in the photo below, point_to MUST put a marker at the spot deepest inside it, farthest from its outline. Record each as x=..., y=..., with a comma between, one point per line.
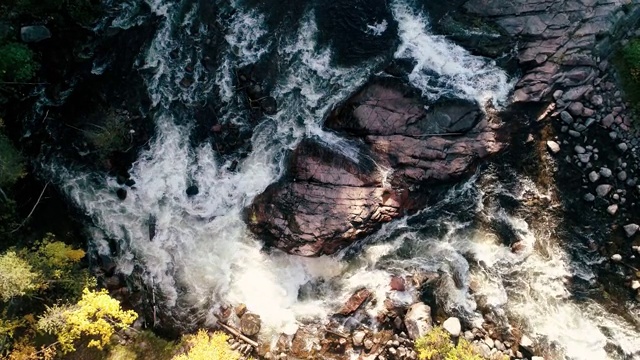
x=203, y=256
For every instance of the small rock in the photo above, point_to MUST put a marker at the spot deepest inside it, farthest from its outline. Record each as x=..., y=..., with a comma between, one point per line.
x=354, y=302
x=631, y=229
x=368, y=344
x=579, y=149
x=622, y=175
x=250, y=324
x=597, y=100
x=557, y=94
x=594, y=176
x=576, y=108
x=623, y=147
x=589, y=197
x=453, y=326
x=584, y=158
x=489, y=341
x=566, y=117
x=603, y=190
x=418, y=320
x=121, y=193
x=36, y=33
x=612, y=209
x=574, y=133
x=553, y=146
x=192, y=190
x=397, y=283
x=526, y=342
x=608, y=121
x=635, y=285
x=358, y=338
x=605, y=172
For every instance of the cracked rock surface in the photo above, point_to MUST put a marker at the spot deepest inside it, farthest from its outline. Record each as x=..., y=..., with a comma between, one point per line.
x=329, y=199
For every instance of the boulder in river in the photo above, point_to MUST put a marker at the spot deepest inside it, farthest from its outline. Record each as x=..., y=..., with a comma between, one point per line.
x=418, y=320
x=35, y=33
x=398, y=150
x=250, y=324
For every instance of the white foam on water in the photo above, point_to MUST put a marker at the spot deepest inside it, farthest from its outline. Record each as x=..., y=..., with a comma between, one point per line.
x=444, y=68
x=378, y=29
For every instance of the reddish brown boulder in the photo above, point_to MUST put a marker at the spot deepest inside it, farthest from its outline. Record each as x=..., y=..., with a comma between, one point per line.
x=328, y=199
x=355, y=301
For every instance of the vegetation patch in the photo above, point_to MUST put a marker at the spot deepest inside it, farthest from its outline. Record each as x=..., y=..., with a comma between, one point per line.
x=627, y=62
x=17, y=63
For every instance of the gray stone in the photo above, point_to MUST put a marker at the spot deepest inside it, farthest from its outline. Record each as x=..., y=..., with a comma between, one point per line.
x=616, y=257
x=418, y=320
x=553, y=146
x=613, y=135
x=622, y=175
x=33, y=34
x=603, y=190
x=566, y=117
x=623, y=147
x=597, y=100
x=631, y=229
x=589, y=197
x=557, y=94
x=576, y=108
x=574, y=133
x=584, y=158
x=612, y=209
x=579, y=149
x=453, y=326
x=589, y=122
x=608, y=121
x=605, y=172
x=594, y=176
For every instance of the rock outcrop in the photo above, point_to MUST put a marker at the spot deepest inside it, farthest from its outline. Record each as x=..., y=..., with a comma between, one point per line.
x=560, y=40
x=401, y=147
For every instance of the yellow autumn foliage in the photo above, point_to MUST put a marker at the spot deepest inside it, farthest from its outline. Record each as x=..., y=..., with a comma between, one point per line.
x=437, y=345
x=205, y=346
x=97, y=315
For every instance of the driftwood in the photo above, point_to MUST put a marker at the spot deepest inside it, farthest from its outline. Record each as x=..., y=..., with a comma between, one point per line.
x=32, y=210
x=235, y=332
x=336, y=333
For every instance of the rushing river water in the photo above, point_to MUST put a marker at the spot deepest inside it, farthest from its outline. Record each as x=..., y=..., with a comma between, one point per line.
x=202, y=254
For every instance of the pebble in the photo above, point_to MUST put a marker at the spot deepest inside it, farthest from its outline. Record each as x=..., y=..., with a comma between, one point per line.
x=526, y=342
x=368, y=344
x=574, y=133
x=603, y=190
x=553, y=146
x=566, y=117
x=613, y=135
x=589, y=197
x=596, y=100
x=631, y=229
x=489, y=341
x=594, y=176
x=358, y=338
x=616, y=257
x=622, y=175
x=612, y=209
x=605, y=172
x=635, y=285
x=622, y=146
x=453, y=326
x=579, y=149
x=584, y=158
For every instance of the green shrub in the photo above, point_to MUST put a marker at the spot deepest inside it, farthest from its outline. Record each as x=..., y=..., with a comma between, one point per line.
x=437, y=345
x=11, y=163
x=631, y=55
x=17, y=63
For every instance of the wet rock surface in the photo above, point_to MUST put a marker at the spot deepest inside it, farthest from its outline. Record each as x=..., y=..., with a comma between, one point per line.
x=329, y=198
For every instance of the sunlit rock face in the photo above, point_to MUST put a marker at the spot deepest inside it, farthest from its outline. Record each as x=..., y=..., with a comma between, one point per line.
x=397, y=147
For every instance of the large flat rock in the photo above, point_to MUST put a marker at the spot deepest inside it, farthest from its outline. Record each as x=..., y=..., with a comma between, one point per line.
x=328, y=200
